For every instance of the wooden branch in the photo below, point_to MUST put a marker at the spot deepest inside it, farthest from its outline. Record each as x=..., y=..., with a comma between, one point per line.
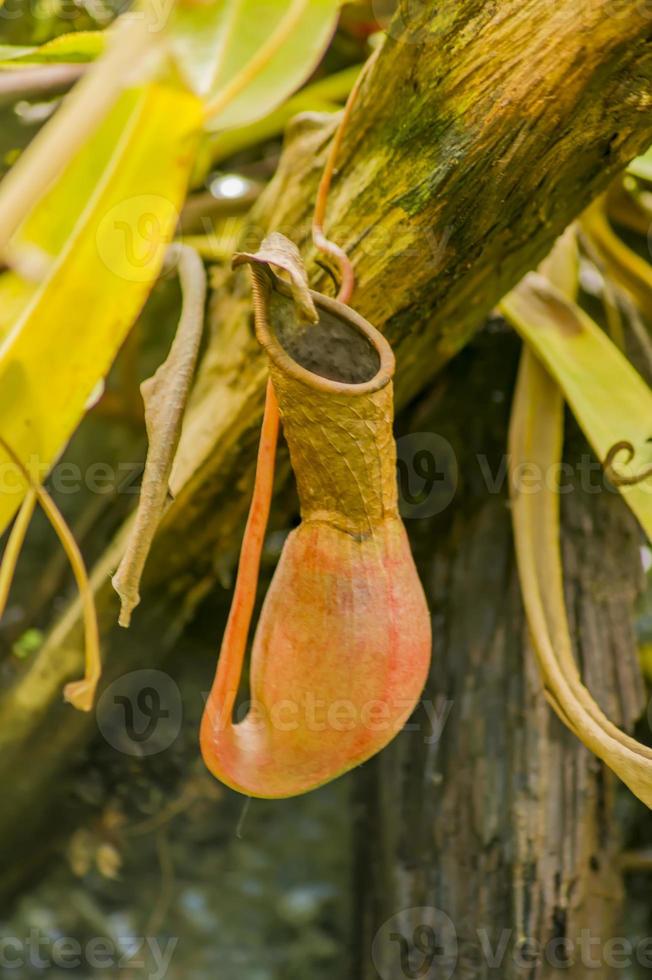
x=474, y=143
x=483, y=130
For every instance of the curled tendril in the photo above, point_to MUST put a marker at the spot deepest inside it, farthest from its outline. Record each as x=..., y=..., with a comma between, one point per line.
x=621, y=479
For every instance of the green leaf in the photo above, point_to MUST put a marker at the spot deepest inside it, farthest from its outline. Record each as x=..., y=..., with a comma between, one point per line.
x=609, y=399
x=98, y=240
x=73, y=48
x=216, y=43
x=324, y=95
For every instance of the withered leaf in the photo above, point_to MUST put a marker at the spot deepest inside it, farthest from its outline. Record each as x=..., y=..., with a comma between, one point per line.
x=165, y=395
x=278, y=251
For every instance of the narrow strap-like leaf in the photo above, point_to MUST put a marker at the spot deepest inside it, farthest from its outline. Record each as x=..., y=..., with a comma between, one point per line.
x=609, y=399
x=535, y=445
x=535, y=441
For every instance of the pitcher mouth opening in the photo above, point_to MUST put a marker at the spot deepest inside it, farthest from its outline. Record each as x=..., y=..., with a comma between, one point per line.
x=341, y=353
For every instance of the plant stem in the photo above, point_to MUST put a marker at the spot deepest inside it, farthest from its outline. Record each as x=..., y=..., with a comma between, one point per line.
x=14, y=547
x=234, y=643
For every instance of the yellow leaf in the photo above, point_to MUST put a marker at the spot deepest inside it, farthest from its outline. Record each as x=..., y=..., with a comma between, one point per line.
x=619, y=262
x=102, y=250
x=46, y=228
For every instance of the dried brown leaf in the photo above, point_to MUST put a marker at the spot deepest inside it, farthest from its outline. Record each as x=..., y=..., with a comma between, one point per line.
x=278, y=251
x=165, y=395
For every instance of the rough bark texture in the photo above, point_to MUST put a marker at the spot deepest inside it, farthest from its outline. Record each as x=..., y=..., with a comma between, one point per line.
x=483, y=130
x=506, y=823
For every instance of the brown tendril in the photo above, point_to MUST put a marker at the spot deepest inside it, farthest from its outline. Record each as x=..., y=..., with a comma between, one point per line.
x=621, y=479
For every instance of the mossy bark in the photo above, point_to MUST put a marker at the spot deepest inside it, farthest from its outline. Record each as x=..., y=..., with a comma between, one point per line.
x=483, y=130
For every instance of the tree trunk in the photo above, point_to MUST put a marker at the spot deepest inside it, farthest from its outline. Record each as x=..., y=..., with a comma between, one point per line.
x=505, y=824
x=484, y=128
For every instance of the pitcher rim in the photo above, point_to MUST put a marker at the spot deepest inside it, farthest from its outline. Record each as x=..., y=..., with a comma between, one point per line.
x=287, y=364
